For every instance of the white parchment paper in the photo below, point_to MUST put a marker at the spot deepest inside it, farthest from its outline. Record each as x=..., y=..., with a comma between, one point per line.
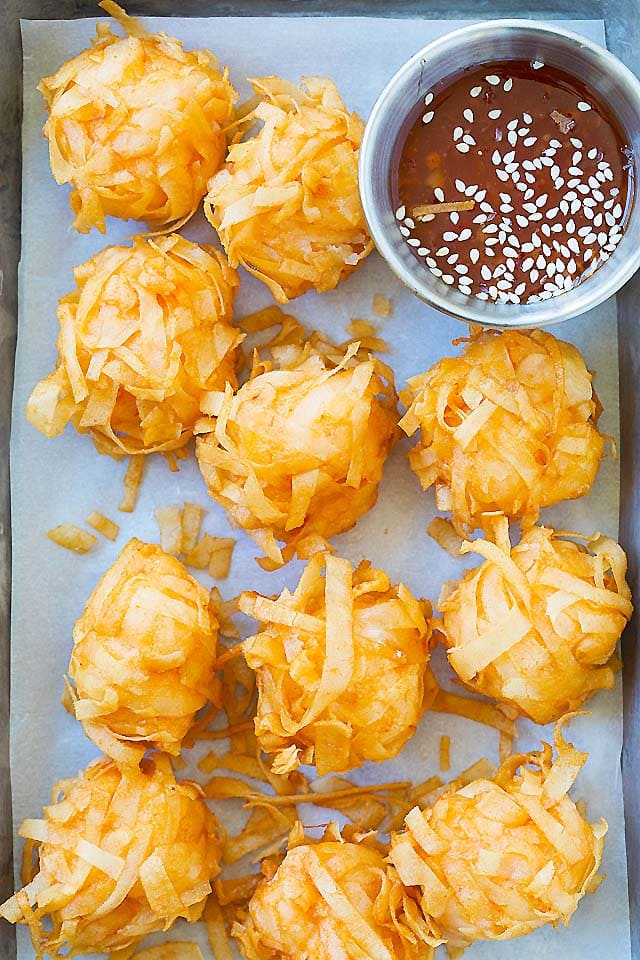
x=65, y=479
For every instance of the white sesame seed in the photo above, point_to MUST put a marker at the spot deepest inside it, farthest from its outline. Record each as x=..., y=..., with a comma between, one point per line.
x=558, y=183
x=474, y=255
x=506, y=208
x=540, y=262
x=413, y=242
x=556, y=228
x=493, y=80
x=427, y=217
x=590, y=202
x=494, y=114
x=465, y=234
x=570, y=226
x=590, y=238
x=400, y=213
x=601, y=176
x=501, y=175
x=530, y=207
x=503, y=284
x=529, y=177
x=602, y=238
x=469, y=139
x=597, y=220
x=439, y=194
x=448, y=279
x=480, y=195
x=515, y=177
x=588, y=212
x=617, y=210
x=453, y=258
x=493, y=292
x=609, y=217
x=461, y=268
x=533, y=275
x=486, y=207
x=428, y=99
x=512, y=124
x=490, y=241
x=549, y=152
x=583, y=188
x=575, y=206
x=528, y=194
x=409, y=223
x=608, y=174
x=535, y=239
x=489, y=252
x=527, y=263
x=593, y=153
x=466, y=281
x=508, y=84
x=599, y=195
x=509, y=252
x=588, y=255
x=512, y=137
x=521, y=186
x=485, y=272
x=528, y=165
x=521, y=221
x=449, y=236
x=475, y=91
x=442, y=251
x=551, y=213
x=546, y=249
x=496, y=157
x=460, y=185
x=405, y=231
x=593, y=183
x=481, y=218
x=573, y=245
x=462, y=147
x=583, y=107
x=423, y=251
x=468, y=114
x=554, y=173
x=482, y=295
x=542, y=199
x=529, y=141
x=511, y=167
x=575, y=172
x=537, y=64
x=471, y=189
x=436, y=271
x=457, y=133
x=509, y=157
x=520, y=289
x=576, y=158
x=428, y=117
x=454, y=217
x=614, y=191
x=490, y=228
x=535, y=216
x=545, y=229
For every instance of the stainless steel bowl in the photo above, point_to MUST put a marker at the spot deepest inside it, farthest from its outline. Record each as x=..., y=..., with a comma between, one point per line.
x=472, y=46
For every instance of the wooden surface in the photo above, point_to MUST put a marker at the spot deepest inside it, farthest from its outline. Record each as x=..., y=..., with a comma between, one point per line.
x=622, y=19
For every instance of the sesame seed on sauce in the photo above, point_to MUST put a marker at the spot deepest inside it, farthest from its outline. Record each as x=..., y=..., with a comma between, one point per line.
x=547, y=167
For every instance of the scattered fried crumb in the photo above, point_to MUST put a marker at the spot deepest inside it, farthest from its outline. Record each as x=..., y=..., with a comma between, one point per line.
x=103, y=525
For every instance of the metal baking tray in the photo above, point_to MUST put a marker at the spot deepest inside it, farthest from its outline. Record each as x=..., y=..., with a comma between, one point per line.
x=622, y=23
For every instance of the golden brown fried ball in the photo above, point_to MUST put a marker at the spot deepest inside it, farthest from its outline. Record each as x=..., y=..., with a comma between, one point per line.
x=342, y=667
x=143, y=339
x=297, y=453
x=136, y=126
x=536, y=625
x=123, y=852
x=509, y=426
x=143, y=654
x=286, y=206
x=497, y=859
x=333, y=899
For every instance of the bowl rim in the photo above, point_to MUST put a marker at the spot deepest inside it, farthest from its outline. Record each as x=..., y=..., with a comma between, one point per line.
x=580, y=299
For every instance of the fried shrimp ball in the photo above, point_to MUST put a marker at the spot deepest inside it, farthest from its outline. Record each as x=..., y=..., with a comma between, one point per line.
x=497, y=859
x=144, y=337
x=509, y=426
x=536, y=625
x=143, y=654
x=296, y=454
x=123, y=852
x=342, y=667
x=136, y=126
x=286, y=205
x=333, y=899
